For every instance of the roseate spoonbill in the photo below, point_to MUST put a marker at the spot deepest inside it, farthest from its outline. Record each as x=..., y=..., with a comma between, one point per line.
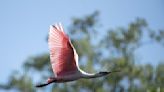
x=64, y=59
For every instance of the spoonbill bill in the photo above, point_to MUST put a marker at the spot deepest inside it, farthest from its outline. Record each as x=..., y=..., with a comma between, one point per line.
x=64, y=59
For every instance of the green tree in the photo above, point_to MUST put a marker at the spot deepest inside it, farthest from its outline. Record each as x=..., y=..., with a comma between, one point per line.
x=97, y=51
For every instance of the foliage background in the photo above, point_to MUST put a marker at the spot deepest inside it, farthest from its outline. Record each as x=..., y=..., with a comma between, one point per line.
x=99, y=47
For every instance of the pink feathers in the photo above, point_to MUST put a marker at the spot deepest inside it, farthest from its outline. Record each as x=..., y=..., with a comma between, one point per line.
x=64, y=59
x=61, y=52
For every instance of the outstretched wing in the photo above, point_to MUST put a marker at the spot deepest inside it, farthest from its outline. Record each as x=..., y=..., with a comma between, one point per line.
x=61, y=51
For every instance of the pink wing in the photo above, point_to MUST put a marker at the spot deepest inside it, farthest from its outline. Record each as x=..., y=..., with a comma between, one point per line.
x=61, y=51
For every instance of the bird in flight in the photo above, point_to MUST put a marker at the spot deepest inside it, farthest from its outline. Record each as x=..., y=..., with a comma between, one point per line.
x=64, y=59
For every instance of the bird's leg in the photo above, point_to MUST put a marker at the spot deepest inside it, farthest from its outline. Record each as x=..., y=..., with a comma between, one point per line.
x=42, y=85
x=49, y=81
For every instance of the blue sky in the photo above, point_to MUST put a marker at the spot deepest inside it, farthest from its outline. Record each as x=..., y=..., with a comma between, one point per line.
x=25, y=24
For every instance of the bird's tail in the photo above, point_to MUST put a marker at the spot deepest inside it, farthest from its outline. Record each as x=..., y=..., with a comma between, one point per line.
x=41, y=85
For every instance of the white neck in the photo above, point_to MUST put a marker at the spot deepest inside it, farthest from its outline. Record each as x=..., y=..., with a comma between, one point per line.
x=89, y=75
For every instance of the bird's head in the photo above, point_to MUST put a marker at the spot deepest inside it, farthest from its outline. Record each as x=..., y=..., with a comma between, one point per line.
x=103, y=73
